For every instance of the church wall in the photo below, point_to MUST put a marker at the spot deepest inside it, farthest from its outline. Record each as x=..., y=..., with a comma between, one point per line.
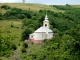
x=46, y=22
x=39, y=36
x=50, y=35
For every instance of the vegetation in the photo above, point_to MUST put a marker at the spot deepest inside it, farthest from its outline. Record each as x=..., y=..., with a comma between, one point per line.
x=6, y=44
x=6, y=7
x=19, y=23
x=23, y=1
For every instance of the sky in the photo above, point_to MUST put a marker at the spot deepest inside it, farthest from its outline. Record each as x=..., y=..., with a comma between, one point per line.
x=48, y=2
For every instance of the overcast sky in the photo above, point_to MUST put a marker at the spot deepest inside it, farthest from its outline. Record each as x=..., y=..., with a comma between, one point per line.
x=49, y=2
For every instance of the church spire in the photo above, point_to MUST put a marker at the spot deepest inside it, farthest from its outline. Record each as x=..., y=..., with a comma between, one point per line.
x=46, y=18
x=46, y=22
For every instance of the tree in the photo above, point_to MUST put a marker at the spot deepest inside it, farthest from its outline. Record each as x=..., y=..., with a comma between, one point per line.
x=6, y=46
x=25, y=33
x=23, y=1
x=0, y=16
x=67, y=5
x=25, y=45
x=6, y=7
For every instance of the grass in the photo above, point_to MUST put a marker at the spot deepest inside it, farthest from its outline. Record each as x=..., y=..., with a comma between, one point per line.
x=6, y=25
x=15, y=31
x=76, y=6
x=34, y=7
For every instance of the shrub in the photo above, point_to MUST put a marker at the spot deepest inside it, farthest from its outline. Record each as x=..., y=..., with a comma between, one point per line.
x=19, y=44
x=25, y=33
x=23, y=50
x=0, y=59
x=25, y=45
x=6, y=7
x=1, y=16
x=14, y=47
x=12, y=24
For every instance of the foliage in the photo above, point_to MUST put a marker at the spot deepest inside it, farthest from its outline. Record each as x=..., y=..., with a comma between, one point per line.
x=67, y=7
x=23, y=50
x=65, y=25
x=16, y=13
x=25, y=33
x=0, y=16
x=12, y=24
x=25, y=45
x=6, y=45
x=23, y=1
x=14, y=47
x=6, y=7
x=66, y=44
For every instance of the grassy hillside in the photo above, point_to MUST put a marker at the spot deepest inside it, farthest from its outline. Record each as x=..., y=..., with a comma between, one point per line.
x=76, y=6
x=34, y=7
x=15, y=31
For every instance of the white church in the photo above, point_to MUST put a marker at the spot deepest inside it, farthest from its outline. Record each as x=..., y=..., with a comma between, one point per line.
x=44, y=32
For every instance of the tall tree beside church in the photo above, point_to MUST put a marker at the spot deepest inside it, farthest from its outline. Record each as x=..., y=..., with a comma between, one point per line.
x=23, y=1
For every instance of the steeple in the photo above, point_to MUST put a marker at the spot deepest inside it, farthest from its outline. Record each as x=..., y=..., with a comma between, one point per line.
x=46, y=22
x=46, y=18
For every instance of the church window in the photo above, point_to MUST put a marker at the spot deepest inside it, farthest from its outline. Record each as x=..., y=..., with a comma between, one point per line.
x=42, y=35
x=45, y=25
x=31, y=36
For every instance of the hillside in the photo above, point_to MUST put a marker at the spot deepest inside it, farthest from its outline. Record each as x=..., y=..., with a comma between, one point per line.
x=18, y=20
x=34, y=7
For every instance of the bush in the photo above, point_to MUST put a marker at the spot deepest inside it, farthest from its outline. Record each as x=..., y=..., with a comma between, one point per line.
x=6, y=7
x=1, y=16
x=0, y=59
x=12, y=24
x=25, y=33
x=14, y=47
x=19, y=44
x=25, y=45
x=23, y=50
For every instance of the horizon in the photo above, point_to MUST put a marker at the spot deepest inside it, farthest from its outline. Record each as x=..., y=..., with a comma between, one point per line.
x=48, y=2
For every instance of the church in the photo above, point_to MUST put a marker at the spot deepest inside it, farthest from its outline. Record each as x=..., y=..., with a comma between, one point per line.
x=44, y=32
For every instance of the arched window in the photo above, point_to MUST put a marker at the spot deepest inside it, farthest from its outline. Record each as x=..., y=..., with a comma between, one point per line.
x=45, y=25
x=42, y=35
x=31, y=36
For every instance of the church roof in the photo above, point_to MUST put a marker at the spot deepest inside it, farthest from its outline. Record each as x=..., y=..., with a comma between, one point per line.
x=43, y=29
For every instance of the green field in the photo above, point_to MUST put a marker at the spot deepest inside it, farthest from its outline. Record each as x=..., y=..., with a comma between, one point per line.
x=15, y=31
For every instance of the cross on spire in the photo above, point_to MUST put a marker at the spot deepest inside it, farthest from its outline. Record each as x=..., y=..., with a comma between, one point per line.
x=46, y=18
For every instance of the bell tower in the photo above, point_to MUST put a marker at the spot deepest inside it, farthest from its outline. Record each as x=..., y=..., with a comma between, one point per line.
x=46, y=22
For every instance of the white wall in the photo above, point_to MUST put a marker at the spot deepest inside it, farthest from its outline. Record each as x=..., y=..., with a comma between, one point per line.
x=39, y=36
x=50, y=35
x=42, y=36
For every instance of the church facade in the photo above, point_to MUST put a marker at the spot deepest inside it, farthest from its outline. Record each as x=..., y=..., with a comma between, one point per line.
x=44, y=32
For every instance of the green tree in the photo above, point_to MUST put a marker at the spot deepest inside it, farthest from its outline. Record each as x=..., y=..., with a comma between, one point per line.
x=25, y=45
x=6, y=44
x=1, y=16
x=23, y=1
x=26, y=32
x=6, y=7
